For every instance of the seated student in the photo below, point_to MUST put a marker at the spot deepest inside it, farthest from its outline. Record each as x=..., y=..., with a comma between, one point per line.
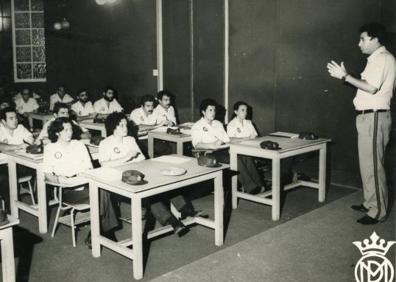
x=83, y=107
x=208, y=133
x=64, y=159
x=118, y=148
x=60, y=96
x=26, y=103
x=13, y=136
x=145, y=117
x=62, y=110
x=239, y=126
x=164, y=110
x=19, y=95
x=108, y=104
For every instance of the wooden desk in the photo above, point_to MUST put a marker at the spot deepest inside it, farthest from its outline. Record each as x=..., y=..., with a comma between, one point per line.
x=157, y=184
x=43, y=117
x=89, y=124
x=289, y=147
x=179, y=139
x=40, y=209
x=7, y=250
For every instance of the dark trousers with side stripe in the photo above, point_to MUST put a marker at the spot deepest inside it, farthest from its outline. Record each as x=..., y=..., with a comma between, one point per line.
x=373, y=136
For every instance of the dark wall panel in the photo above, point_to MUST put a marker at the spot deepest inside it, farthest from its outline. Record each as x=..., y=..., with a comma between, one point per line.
x=252, y=51
x=177, y=53
x=208, y=51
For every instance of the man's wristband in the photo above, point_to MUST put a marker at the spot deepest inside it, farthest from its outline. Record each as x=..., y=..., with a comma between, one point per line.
x=344, y=77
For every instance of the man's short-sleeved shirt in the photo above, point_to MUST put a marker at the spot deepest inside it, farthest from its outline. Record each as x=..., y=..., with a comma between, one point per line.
x=17, y=137
x=101, y=107
x=83, y=109
x=66, y=161
x=203, y=132
x=380, y=72
x=110, y=149
x=139, y=117
x=44, y=131
x=244, y=129
x=165, y=114
x=56, y=99
x=28, y=106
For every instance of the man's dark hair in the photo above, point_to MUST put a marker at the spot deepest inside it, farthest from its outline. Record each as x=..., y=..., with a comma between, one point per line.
x=373, y=30
x=112, y=121
x=146, y=98
x=163, y=93
x=106, y=88
x=59, y=106
x=3, y=112
x=205, y=104
x=57, y=126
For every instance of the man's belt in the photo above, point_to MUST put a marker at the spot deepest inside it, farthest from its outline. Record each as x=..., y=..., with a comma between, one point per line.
x=369, y=111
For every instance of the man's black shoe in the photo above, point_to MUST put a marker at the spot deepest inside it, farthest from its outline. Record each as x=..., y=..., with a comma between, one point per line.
x=359, y=208
x=181, y=230
x=366, y=220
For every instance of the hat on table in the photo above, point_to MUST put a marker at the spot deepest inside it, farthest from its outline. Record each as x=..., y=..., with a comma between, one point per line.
x=133, y=177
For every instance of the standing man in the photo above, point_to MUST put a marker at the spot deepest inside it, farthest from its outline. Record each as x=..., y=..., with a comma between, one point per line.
x=373, y=120
x=60, y=97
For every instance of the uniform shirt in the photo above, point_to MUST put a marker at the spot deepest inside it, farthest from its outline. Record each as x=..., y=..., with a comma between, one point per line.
x=138, y=116
x=19, y=96
x=26, y=107
x=165, y=114
x=100, y=106
x=203, y=132
x=83, y=110
x=16, y=138
x=110, y=149
x=380, y=72
x=55, y=99
x=66, y=161
x=244, y=129
x=44, y=131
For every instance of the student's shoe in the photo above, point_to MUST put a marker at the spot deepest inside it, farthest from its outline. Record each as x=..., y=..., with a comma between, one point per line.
x=193, y=213
x=367, y=220
x=178, y=227
x=359, y=208
x=257, y=190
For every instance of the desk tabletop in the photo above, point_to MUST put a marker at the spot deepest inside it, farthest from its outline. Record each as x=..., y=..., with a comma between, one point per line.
x=286, y=144
x=164, y=135
x=152, y=170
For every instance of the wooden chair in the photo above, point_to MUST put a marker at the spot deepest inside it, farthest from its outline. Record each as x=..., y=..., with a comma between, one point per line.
x=79, y=213
x=29, y=189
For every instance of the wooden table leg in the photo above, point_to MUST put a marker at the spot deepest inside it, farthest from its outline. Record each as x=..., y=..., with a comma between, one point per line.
x=179, y=148
x=95, y=218
x=234, y=178
x=150, y=145
x=7, y=255
x=42, y=202
x=137, y=241
x=13, y=186
x=322, y=173
x=275, y=189
x=219, y=209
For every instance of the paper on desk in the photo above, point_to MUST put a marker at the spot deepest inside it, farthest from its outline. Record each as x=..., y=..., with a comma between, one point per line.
x=107, y=173
x=172, y=159
x=28, y=155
